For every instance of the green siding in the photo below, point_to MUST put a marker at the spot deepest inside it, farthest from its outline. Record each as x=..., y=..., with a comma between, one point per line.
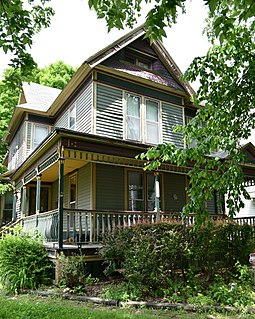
x=172, y=115
x=109, y=187
x=134, y=87
x=84, y=189
x=109, y=118
x=174, y=192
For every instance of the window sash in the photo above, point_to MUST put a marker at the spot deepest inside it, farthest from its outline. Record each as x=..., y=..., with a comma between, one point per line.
x=40, y=132
x=133, y=117
x=72, y=117
x=152, y=122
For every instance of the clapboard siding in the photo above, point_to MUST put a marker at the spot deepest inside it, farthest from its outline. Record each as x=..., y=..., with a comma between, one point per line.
x=84, y=182
x=62, y=121
x=172, y=115
x=109, y=187
x=17, y=149
x=109, y=116
x=83, y=112
x=29, y=138
x=174, y=192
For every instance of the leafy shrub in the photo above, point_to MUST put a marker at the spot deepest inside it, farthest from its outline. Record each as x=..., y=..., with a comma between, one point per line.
x=73, y=271
x=160, y=259
x=122, y=292
x=24, y=263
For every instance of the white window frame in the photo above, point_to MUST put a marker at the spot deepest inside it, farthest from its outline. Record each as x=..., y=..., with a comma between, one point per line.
x=34, y=145
x=71, y=109
x=130, y=116
x=152, y=122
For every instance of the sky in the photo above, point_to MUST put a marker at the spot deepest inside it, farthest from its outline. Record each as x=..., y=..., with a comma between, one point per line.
x=75, y=34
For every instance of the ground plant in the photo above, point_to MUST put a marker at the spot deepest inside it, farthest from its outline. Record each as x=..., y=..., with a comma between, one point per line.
x=32, y=307
x=24, y=263
x=179, y=264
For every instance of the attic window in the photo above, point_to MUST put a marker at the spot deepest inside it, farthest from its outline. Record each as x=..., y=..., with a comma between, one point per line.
x=139, y=61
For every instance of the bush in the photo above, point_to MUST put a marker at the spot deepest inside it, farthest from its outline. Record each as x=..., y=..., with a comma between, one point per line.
x=160, y=259
x=24, y=263
x=73, y=271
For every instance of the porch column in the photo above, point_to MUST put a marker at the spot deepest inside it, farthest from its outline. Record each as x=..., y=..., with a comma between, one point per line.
x=157, y=196
x=60, y=202
x=38, y=194
x=14, y=203
x=24, y=201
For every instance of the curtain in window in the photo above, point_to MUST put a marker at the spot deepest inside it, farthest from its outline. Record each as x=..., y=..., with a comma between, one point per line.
x=152, y=122
x=133, y=118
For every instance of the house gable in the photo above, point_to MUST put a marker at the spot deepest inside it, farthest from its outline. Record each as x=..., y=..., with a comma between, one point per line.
x=139, y=59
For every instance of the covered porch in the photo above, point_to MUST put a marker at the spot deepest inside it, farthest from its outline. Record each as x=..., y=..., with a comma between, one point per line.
x=76, y=188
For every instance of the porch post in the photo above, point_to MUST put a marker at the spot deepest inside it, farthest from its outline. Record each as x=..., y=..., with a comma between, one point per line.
x=14, y=203
x=38, y=194
x=24, y=201
x=60, y=202
x=157, y=196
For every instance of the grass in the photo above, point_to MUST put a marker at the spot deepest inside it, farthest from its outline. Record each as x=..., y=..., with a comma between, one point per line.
x=34, y=307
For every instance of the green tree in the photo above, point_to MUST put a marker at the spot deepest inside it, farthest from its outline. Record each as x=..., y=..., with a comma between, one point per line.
x=20, y=21
x=227, y=90
x=56, y=75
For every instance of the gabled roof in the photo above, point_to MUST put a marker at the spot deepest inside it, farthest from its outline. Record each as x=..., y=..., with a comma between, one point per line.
x=98, y=58
x=37, y=96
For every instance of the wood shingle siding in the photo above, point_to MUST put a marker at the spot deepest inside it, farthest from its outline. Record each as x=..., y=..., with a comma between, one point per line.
x=174, y=192
x=109, y=187
x=109, y=117
x=172, y=115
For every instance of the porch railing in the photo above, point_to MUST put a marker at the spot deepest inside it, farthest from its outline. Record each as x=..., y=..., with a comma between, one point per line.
x=45, y=223
x=89, y=226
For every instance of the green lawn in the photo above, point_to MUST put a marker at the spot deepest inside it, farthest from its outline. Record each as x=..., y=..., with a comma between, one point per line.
x=34, y=307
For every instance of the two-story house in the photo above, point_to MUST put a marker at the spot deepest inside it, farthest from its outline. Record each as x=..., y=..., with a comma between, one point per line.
x=72, y=156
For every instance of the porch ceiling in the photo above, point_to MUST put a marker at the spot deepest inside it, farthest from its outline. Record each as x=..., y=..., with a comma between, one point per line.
x=51, y=173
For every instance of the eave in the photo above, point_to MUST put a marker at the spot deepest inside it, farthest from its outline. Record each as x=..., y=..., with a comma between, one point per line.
x=59, y=133
x=132, y=78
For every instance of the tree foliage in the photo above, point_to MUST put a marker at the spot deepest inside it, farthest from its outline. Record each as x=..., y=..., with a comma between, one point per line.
x=226, y=75
x=56, y=75
x=20, y=21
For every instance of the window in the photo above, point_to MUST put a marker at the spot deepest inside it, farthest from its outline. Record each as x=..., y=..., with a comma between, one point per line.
x=73, y=191
x=152, y=122
x=133, y=118
x=72, y=117
x=142, y=62
x=135, y=191
x=142, y=119
x=40, y=132
x=141, y=191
